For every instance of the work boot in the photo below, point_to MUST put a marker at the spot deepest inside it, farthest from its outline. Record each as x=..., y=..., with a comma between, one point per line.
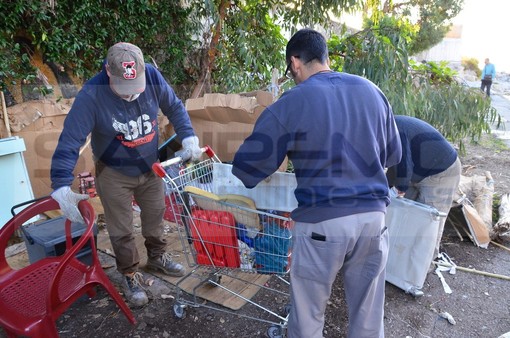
x=133, y=290
x=165, y=264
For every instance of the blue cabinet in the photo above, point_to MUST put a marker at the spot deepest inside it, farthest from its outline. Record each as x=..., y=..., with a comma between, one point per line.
x=14, y=179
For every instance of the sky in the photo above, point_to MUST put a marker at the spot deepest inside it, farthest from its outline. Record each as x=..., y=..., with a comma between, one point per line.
x=485, y=29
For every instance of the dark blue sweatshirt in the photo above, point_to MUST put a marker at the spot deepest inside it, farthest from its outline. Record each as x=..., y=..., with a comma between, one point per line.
x=339, y=132
x=124, y=135
x=425, y=152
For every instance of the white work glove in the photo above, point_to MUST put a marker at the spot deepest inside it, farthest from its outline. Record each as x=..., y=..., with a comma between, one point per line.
x=68, y=201
x=190, y=144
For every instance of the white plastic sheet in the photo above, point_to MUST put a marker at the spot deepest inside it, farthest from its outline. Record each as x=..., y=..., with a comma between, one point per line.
x=274, y=193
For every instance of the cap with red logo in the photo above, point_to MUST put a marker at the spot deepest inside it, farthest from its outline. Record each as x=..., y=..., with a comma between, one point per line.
x=126, y=68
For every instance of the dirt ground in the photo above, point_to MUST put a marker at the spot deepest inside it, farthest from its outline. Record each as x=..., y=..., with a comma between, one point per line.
x=479, y=305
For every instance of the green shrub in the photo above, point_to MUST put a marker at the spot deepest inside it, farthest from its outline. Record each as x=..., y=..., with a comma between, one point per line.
x=471, y=64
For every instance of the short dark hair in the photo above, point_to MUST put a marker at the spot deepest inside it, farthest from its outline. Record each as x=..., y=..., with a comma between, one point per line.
x=307, y=44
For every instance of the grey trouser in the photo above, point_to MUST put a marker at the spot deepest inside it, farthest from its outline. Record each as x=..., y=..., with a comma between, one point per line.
x=116, y=192
x=357, y=247
x=437, y=191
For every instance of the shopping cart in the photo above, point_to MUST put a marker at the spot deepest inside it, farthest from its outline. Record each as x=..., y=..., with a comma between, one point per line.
x=226, y=235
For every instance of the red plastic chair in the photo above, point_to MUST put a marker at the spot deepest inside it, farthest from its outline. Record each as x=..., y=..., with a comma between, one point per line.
x=32, y=298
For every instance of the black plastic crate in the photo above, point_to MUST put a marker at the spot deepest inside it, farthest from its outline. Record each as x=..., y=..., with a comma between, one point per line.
x=47, y=239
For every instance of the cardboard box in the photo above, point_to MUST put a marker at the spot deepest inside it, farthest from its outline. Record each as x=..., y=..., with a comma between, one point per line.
x=40, y=124
x=26, y=116
x=223, y=121
x=224, y=125
x=264, y=99
x=224, y=139
x=226, y=108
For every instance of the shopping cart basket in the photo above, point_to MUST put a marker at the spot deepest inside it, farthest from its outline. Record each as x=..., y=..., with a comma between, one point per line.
x=226, y=235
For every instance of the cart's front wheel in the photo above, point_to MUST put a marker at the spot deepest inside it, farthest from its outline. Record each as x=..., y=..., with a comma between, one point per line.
x=215, y=279
x=179, y=310
x=286, y=309
x=275, y=331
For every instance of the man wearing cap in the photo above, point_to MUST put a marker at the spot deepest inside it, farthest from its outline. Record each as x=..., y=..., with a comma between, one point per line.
x=119, y=108
x=339, y=132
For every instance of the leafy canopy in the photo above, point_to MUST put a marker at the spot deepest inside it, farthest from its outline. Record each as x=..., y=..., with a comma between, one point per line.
x=429, y=91
x=236, y=45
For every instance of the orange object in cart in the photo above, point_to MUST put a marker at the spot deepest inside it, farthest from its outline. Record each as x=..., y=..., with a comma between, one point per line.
x=214, y=238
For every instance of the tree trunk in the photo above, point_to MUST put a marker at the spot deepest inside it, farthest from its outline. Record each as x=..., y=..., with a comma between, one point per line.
x=208, y=58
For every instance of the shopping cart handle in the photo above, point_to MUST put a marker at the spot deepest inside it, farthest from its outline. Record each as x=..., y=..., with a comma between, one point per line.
x=208, y=151
x=181, y=156
x=172, y=161
x=158, y=170
x=185, y=155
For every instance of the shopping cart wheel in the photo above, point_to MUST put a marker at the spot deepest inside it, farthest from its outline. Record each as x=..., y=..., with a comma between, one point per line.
x=286, y=309
x=275, y=331
x=215, y=279
x=179, y=310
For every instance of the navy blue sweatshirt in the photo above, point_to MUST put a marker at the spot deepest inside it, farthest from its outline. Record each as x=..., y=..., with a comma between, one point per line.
x=425, y=152
x=124, y=135
x=339, y=132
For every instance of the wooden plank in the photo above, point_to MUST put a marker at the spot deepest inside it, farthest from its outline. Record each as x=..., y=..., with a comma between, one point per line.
x=476, y=226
